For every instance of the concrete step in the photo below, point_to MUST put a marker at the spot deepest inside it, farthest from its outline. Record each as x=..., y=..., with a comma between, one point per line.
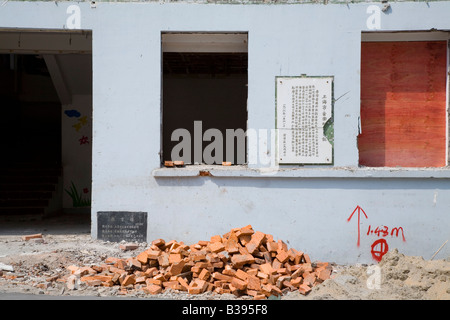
x=19, y=194
x=29, y=172
x=22, y=211
x=23, y=203
x=28, y=179
x=27, y=186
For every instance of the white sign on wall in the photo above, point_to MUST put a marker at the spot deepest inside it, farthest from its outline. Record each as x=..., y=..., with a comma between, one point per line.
x=303, y=107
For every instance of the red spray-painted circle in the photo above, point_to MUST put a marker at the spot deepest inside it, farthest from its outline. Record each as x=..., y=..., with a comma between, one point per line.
x=378, y=249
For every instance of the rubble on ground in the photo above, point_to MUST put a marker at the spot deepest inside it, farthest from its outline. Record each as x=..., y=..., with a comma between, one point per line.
x=242, y=262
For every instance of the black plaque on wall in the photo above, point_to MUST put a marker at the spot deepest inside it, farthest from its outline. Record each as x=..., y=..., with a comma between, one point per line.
x=116, y=226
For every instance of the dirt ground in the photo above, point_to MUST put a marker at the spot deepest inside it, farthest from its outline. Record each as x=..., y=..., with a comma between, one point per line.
x=35, y=266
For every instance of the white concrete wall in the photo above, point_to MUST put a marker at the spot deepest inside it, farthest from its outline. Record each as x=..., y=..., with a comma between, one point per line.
x=308, y=208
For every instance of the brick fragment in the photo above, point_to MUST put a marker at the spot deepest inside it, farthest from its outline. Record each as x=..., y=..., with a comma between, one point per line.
x=324, y=274
x=158, y=242
x=298, y=257
x=128, y=246
x=304, y=289
x=173, y=284
x=183, y=283
x=267, y=268
x=272, y=246
x=232, y=244
x=282, y=256
x=134, y=264
x=168, y=163
x=175, y=257
x=153, y=254
x=72, y=282
x=245, y=231
x=216, y=238
x=241, y=275
x=253, y=283
x=153, y=289
x=176, y=268
x=84, y=271
x=99, y=269
x=251, y=247
x=142, y=257
x=204, y=274
x=306, y=257
x=258, y=238
x=100, y=277
x=141, y=279
x=239, y=260
x=163, y=259
x=220, y=276
x=217, y=247
x=129, y=279
x=32, y=236
x=94, y=283
x=197, y=286
x=111, y=260
x=239, y=284
x=72, y=269
x=203, y=243
x=309, y=278
x=282, y=245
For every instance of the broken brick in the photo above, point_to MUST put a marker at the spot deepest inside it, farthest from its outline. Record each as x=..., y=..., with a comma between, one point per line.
x=253, y=283
x=217, y=247
x=242, y=261
x=304, y=289
x=324, y=274
x=142, y=257
x=129, y=279
x=241, y=274
x=168, y=163
x=128, y=246
x=204, y=274
x=176, y=268
x=153, y=289
x=282, y=256
x=32, y=236
x=239, y=284
x=183, y=283
x=158, y=242
x=239, y=260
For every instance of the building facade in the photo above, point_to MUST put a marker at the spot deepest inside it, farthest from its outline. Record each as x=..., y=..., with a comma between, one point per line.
x=344, y=107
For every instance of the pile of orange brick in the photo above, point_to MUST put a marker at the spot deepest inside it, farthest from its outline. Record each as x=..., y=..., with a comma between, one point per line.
x=241, y=262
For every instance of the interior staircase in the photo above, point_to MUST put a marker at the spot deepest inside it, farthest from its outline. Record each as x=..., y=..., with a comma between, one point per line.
x=29, y=190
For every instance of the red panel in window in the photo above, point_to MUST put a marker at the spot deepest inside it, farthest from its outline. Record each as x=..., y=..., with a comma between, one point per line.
x=403, y=104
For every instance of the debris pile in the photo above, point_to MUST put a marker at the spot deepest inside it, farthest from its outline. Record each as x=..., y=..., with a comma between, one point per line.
x=241, y=262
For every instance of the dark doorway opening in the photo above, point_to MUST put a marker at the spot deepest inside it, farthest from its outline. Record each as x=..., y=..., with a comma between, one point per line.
x=205, y=83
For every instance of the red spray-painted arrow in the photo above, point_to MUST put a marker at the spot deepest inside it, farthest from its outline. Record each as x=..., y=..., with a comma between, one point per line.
x=359, y=215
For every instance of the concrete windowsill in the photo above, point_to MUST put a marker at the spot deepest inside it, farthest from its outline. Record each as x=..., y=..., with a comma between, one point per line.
x=301, y=172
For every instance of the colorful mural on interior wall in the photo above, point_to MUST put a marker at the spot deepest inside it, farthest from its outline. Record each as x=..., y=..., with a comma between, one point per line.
x=81, y=123
x=78, y=198
x=84, y=140
x=72, y=113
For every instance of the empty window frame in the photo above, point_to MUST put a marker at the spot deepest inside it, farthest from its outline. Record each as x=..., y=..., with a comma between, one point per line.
x=403, y=103
x=204, y=97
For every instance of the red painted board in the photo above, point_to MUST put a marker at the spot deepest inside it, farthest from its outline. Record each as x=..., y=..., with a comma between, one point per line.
x=403, y=104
